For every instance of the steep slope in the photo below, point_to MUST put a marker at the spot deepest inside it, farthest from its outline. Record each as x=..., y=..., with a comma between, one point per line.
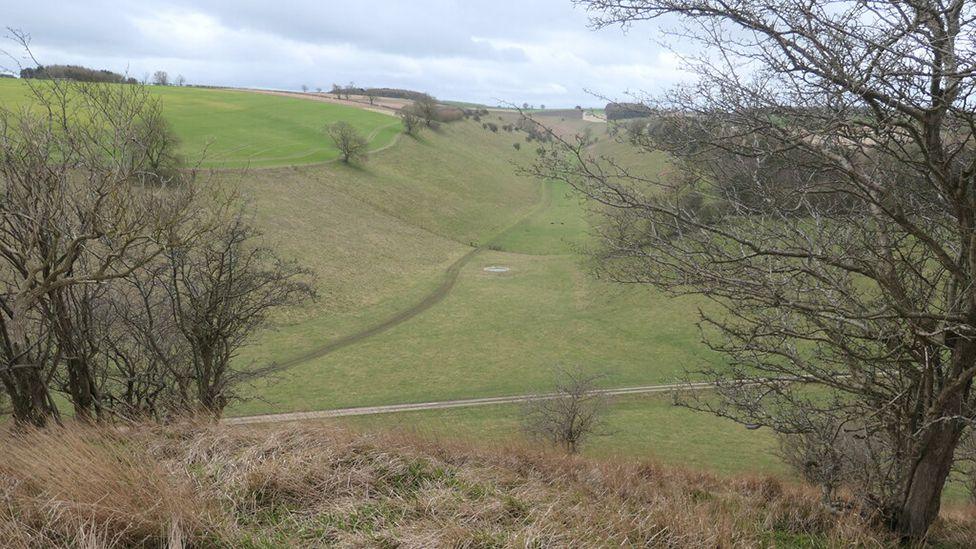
x=301, y=486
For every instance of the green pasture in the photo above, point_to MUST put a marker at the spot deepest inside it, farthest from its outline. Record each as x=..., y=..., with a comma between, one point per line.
x=225, y=128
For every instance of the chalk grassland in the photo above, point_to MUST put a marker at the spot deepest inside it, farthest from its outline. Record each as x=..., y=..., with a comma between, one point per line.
x=494, y=334
x=380, y=236
x=238, y=128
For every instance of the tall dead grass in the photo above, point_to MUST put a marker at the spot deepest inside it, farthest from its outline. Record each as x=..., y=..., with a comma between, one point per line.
x=204, y=485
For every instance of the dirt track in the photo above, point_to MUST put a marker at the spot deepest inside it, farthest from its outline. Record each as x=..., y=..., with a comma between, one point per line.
x=436, y=296
x=431, y=299
x=393, y=408
x=488, y=401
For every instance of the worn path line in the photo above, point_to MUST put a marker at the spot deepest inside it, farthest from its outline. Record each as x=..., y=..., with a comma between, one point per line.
x=463, y=403
x=433, y=298
x=514, y=399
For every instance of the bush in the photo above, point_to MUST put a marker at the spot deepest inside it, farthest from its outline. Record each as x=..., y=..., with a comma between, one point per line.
x=573, y=416
x=412, y=124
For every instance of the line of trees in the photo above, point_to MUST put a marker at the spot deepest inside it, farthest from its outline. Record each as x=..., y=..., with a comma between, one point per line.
x=74, y=72
x=161, y=78
x=78, y=73
x=127, y=285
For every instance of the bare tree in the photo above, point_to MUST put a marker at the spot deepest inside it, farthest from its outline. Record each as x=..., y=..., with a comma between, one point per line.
x=351, y=144
x=426, y=108
x=412, y=123
x=72, y=217
x=370, y=95
x=160, y=78
x=154, y=157
x=823, y=200
x=146, y=370
x=572, y=414
x=304, y=88
x=221, y=290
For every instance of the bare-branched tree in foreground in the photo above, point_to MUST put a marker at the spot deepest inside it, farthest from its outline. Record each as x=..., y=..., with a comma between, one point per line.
x=75, y=212
x=123, y=285
x=221, y=291
x=574, y=414
x=823, y=196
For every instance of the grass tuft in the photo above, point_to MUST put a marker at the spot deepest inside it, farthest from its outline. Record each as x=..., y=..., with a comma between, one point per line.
x=202, y=485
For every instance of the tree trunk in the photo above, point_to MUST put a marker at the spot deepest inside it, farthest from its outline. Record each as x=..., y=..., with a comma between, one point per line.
x=29, y=396
x=84, y=396
x=71, y=337
x=207, y=382
x=923, y=490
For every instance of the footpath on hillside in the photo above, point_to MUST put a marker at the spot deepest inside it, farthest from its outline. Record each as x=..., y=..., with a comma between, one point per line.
x=449, y=278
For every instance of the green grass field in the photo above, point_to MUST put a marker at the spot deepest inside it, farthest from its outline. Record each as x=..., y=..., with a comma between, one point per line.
x=641, y=427
x=223, y=128
x=495, y=334
x=379, y=237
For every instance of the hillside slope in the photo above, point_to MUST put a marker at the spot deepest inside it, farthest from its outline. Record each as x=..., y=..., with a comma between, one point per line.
x=302, y=486
x=380, y=235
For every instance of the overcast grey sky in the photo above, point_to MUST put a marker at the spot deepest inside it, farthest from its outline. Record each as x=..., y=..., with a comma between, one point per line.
x=539, y=51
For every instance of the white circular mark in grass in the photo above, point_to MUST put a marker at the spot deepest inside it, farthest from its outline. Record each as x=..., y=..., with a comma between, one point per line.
x=496, y=269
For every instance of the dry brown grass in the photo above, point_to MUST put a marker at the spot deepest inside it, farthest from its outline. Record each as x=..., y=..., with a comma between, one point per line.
x=202, y=485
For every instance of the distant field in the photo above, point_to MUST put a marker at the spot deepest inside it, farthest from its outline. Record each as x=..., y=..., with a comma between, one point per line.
x=239, y=128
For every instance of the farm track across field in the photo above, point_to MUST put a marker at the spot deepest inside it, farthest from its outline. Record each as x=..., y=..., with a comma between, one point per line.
x=489, y=401
x=433, y=298
x=462, y=403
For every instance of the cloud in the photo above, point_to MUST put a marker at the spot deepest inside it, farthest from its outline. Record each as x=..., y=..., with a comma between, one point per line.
x=503, y=50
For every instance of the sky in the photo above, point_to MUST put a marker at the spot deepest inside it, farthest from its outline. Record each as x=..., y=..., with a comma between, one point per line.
x=491, y=52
